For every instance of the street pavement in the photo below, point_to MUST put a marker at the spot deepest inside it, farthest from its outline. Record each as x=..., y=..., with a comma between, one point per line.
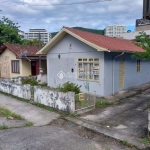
x=44, y=138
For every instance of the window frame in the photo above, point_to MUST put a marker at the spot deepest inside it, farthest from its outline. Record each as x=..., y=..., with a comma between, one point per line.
x=15, y=66
x=138, y=65
x=91, y=60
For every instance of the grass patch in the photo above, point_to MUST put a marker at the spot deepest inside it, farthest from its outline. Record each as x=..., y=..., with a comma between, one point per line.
x=7, y=113
x=127, y=144
x=29, y=124
x=146, y=141
x=103, y=104
x=3, y=127
x=43, y=106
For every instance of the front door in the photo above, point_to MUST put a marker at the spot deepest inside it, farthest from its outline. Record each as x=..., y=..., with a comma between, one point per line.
x=121, y=73
x=34, y=68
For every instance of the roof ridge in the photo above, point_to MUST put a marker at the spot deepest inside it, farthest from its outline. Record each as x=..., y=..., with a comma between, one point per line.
x=97, y=34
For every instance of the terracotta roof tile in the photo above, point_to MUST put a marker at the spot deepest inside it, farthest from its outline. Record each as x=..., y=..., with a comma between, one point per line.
x=18, y=49
x=110, y=43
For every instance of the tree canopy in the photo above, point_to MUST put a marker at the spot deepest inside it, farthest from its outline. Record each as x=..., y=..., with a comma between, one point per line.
x=9, y=32
x=101, y=32
x=33, y=42
x=143, y=41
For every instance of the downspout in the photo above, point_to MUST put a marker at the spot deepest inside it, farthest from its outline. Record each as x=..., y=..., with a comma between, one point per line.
x=113, y=75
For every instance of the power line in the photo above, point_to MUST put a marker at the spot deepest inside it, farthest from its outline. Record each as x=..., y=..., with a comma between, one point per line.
x=59, y=4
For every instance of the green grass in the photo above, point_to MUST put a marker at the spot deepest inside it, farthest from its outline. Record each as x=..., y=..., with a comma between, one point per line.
x=7, y=113
x=29, y=124
x=103, y=104
x=127, y=144
x=146, y=141
x=3, y=127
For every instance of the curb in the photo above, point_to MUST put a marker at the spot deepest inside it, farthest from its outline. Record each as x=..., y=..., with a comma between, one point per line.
x=107, y=132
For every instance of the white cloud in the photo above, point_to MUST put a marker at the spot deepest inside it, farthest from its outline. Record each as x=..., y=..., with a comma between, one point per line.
x=53, y=18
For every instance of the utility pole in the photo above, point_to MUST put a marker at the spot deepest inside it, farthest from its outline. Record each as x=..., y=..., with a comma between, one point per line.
x=40, y=67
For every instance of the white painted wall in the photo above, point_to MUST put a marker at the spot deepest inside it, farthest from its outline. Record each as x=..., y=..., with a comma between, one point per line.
x=58, y=100
x=22, y=91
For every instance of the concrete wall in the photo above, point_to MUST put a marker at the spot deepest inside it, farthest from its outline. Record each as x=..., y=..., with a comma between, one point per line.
x=54, y=99
x=131, y=77
x=68, y=61
x=22, y=91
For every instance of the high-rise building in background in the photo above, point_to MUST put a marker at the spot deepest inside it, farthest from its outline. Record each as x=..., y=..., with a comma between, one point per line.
x=144, y=23
x=34, y=34
x=115, y=30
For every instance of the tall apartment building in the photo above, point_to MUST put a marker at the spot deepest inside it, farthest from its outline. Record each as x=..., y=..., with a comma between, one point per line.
x=115, y=30
x=34, y=34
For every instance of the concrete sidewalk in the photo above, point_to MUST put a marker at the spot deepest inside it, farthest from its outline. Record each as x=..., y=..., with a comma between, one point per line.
x=36, y=115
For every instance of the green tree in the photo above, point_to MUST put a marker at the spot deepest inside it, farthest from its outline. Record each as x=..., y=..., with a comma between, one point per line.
x=9, y=32
x=33, y=42
x=143, y=41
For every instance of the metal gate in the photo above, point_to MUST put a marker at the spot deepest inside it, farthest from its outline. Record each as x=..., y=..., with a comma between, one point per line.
x=32, y=92
x=84, y=101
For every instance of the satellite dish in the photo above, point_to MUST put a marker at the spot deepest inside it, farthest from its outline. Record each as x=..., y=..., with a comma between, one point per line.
x=24, y=54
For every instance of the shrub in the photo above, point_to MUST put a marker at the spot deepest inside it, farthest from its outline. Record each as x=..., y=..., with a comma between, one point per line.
x=30, y=80
x=70, y=87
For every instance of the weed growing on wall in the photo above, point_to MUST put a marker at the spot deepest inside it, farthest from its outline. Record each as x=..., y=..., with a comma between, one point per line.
x=69, y=87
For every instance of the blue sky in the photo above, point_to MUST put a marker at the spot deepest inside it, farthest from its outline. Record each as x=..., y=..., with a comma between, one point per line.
x=47, y=14
x=132, y=28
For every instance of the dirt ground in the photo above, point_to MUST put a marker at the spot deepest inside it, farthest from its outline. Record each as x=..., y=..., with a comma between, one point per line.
x=106, y=142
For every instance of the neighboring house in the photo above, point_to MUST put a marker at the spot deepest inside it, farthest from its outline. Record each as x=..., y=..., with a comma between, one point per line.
x=103, y=64
x=18, y=60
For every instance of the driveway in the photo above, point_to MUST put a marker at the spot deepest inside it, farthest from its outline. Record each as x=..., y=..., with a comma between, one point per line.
x=29, y=112
x=44, y=138
x=128, y=117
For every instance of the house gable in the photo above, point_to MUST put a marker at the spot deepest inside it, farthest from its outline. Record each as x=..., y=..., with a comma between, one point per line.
x=70, y=50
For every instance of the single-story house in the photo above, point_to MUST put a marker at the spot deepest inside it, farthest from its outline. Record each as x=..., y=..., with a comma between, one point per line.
x=99, y=63
x=19, y=60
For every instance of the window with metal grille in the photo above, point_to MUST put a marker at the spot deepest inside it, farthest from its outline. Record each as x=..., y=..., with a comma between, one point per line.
x=138, y=66
x=88, y=69
x=15, y=67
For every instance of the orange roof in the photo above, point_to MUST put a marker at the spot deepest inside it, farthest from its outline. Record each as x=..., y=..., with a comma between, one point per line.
x=18, y=49
x=110, y=43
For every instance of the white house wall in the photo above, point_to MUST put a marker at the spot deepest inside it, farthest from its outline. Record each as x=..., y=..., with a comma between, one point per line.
x=70, y=49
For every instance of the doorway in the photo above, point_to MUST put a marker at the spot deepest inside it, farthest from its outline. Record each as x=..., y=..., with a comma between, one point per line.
x=121, y=73
x=34, y=68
